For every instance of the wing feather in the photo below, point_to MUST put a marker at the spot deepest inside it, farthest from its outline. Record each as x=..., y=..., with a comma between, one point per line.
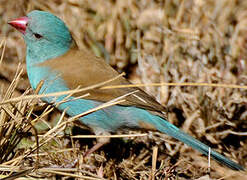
x=82, y=68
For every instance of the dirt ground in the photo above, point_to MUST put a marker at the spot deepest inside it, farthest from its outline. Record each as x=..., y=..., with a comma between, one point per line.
x=153, y=41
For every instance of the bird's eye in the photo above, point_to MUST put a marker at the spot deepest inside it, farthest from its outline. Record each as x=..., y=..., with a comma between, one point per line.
x=38, y=36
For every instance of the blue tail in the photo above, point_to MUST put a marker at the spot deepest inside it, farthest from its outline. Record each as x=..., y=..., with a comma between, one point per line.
x=171, y=130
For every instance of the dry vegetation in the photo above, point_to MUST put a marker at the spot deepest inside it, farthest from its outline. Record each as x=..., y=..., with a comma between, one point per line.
x=175, y=41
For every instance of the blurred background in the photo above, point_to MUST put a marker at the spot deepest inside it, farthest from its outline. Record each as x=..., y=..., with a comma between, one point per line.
x=152, y=41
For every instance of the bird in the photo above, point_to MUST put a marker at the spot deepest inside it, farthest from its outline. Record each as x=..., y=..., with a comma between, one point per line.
x=53, y=57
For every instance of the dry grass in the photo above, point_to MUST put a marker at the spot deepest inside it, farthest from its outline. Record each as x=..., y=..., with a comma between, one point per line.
x=177, y=41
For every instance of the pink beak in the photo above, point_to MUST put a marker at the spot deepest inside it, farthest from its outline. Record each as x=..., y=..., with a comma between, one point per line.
x=20, y=24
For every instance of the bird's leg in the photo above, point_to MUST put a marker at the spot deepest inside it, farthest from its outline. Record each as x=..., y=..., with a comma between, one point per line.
x=100, y=142
x=94, y=148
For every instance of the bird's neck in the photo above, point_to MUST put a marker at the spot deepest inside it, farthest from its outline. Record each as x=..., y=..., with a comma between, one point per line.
x=35, y=56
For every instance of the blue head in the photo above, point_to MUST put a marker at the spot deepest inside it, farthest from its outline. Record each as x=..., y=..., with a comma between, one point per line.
x=46, y=36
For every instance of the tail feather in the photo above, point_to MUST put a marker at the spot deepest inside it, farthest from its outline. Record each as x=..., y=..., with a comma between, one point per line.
x=171, y=130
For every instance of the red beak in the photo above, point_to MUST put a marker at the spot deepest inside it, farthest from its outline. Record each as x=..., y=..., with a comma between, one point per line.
x=20, y=24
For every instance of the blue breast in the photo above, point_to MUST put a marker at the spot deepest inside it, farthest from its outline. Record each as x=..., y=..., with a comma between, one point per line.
x=109, y=119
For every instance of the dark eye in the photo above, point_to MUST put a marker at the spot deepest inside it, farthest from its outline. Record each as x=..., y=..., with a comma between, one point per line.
x=38, y=36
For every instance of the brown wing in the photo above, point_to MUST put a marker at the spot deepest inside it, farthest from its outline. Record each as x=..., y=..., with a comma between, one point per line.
x=81, y=67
